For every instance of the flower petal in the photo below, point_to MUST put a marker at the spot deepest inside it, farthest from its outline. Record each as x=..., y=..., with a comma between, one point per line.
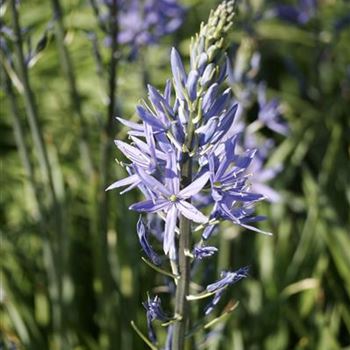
x=178, y=69
x=134, y=154
x=149, y=206
x=172, y=178
x=219, y=104
x=150, y=119
x=169, y=230
x=191, y=212
x=153, y=184
x=210, y=96
x=131, y=125
x=191, y=84
x=124, y=182
x=194, y=187
x=255, y=229
x=143, y=238
x=225, y=124
x=206, y=131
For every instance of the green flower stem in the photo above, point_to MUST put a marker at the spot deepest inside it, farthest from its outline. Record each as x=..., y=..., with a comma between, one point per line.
x=109, y=290
x=52, y=246
x=222, y=316
x=182, y=290
x=48, y=252
x=68, y=69
x=30, y=104
x=160, y=270
x=20, y=143
x=142, y=336
x=96, y=10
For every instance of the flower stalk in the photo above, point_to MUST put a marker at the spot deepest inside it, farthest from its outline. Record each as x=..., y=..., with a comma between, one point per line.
x=103, y=268
x=182, y=290
x=185, y=245
x=75, y=98
x=30, y=104
x=54, y=238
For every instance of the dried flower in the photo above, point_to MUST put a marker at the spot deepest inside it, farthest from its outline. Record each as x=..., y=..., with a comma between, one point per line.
x=227, y=278
x=143, y=238
x=154, y=312
x=201, y=252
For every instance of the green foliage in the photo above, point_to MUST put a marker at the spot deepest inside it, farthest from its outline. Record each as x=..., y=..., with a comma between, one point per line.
x=71, y=281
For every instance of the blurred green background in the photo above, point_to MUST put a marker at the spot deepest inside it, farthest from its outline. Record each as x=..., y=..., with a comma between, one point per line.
x=71, y=269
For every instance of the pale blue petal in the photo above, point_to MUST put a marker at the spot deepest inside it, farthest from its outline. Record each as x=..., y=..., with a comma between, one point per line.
x=172, y=177
x=149, y=206
x=194, y=187
x=133, y=153
x=179, y=73
x=252, y=228
x=207, y=75
x=131, y=125
x=206, y=131
x=169, y=230
x=210, y=96
x=191, y=84
x=191, y=212
x=153, y=184
x=177, y=66
x=124, y=182
x=148, y=118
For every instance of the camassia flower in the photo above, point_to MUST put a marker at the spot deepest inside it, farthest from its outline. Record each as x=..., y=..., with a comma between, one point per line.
x=186, y=158
x=172, y=201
